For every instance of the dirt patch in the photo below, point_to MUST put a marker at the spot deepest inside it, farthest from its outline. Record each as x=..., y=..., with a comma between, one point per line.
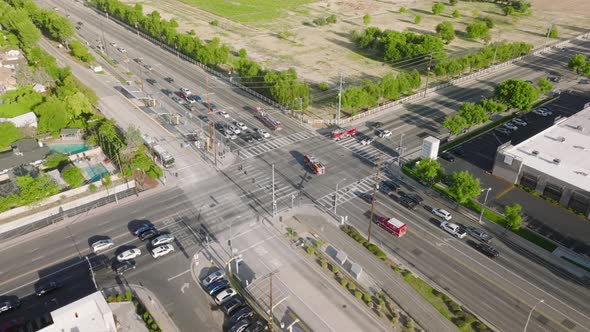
x=320, y=54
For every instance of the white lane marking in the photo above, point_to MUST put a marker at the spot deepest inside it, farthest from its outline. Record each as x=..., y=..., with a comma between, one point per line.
x=180, y=274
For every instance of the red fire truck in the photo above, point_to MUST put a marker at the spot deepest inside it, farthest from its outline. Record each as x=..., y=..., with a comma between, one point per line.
x=316, y=166
x=268, y=120
x=341, y=133
x=392, y=225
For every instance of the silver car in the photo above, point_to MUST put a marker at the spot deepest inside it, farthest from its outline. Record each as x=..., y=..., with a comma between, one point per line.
x=519, y=121
x=510, y=125
x=128, y=254
x=101, y=245
x=162, y=239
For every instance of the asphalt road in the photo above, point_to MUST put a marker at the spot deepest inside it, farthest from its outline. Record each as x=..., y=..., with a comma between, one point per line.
x=468, y=275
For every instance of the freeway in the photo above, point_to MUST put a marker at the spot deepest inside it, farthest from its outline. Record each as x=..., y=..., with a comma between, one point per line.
x=510, y=286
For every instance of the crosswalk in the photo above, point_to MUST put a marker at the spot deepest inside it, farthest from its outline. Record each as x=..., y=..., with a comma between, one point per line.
x=275, y=143
x=368, y=152
x=353, y=190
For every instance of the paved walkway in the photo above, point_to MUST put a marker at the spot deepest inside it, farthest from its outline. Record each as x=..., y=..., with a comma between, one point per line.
x=155, y=308
x=411, y=302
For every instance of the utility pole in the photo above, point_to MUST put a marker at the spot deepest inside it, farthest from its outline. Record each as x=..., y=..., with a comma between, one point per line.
x=548, y=32
x=427, y=75
x=209, y=117
x=301, y=108
x=91, y=272
x=104, y=41
x=339, y=101
x=270, y=316
x=274, y=202
x=373, y=198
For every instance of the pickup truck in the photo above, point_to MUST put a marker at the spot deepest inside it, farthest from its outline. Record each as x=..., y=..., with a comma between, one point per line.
x=453, y=229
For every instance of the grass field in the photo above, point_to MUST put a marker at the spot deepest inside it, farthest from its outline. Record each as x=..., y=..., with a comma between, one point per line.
x=245, y=11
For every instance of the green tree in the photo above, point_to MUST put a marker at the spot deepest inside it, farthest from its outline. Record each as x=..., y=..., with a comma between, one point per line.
x=429, y=170
x=508, y=10
x=456, y=13
x=464, y=186
x=8, y=134
x=487, y=20
x=367, y=19
x=143, y=162
x=491, y=106
x=577, y=62
x=438, y=8
x=513, y=217
x=242, y=53
x=52, y=116
x=446, y=31
x=73, y=177
x=34, y=189
x=455, y=124
x=473, y=114
x=56, y=160
x=477, y=30
x=517, y=94
x=80, y=52
x=402, y=10
x=417, y=19
x=553, y=33
x=544, y=85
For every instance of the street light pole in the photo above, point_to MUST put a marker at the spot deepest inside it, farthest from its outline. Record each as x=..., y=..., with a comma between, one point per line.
x=483, y=207
x=336, y=194
x=91, y=272
x=531, y=313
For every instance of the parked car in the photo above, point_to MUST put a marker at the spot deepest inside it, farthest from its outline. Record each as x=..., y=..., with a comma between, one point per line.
x=128, y=254
x=217, y=286
x=458, y=151
x=9, y=304
x=213, y=277
x=487, y=250
x=102, y=245
x=195, y=98
x=229, y=134
x=149, y=234
x=222, y=113
x=447, y=156
x=122, y=50
x=383, y=133
x=262, y=132
x=244, y=312
x=162, y=250
x=257, y=136
x=240, y=326
x=232, y=305
x=185, y=90
x=143, y=228
x=366, y=197
x=138, y=60
x=446, y=215
x=542, y=111
x=387, y=187
x=148, y=67
x=452, y=229
x=151, y=81
x=225, y=295
x=240, y=125
x=124, y=266
x=257, y=326
x=168, y=79
x=519, y=122
x=479, y=234
x=45, y=288
x=162, y=239
x=179, y=100
x=234, y=129
x=510, y=125
x=367, y=141
x=248, y=138
x=503, y=130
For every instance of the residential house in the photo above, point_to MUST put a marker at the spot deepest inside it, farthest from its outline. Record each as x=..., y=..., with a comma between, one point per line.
x=23, y=120
x=26, y=151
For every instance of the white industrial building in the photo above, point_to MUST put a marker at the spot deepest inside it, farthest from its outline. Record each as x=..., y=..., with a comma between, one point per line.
x=555, y=162
x=89, y=314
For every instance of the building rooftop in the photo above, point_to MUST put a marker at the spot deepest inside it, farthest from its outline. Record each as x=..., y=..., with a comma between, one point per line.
x=563, y=150
x=23, y=120
x=24, y=152
x=89, y=314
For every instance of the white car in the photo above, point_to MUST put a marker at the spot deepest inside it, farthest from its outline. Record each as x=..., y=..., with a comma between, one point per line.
x=128, y=254
x=186, y=91
x=234, y=130
x=102, y=245
x=190, y=101
x=241, y=125
x=122, y=50
x=148, y=67
x=367, y=141
x=213, y=277
x=263, y=132
x=162, y=250
x=113, y=44
x=453, y=229
x=510, y=126
x=223, y=114
x=225, y=295
x=519, y=122
x=384, y=133
x=162, y=239
x=446, y=215
x=542, y=111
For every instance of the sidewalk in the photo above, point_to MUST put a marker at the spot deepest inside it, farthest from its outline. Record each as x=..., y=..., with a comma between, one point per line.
x=403, y=294
x=155, y=308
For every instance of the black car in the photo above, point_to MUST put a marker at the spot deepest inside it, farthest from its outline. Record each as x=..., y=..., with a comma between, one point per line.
x=487, y=250
x=244, y=312
x=232, y=305
x=240, y=326
x=148, y=234
x=143, y=228
x=48, y=287
x=219, y=125
x=248, y=138
x=7, y=305
x=168, y=79
x=458, y=152
x=447, y=156
x=257, y=326
x=367, y=197
x=414, y=197
x=407, y=203
x=124, y=266
x=387, y=187
x=151, y=81
x=167, y=92
x=257, y=137
x=479, y=234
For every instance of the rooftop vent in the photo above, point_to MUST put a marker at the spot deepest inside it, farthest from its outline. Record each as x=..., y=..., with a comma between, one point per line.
x=535, y=153
x=561, y=139
x=581, y=173
x=579, y=147
x=557, y=161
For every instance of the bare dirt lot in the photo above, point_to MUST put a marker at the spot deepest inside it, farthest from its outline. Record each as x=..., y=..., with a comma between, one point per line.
x=285, y=37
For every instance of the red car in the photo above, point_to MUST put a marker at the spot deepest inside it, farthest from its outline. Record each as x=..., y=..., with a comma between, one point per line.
x=181, y=94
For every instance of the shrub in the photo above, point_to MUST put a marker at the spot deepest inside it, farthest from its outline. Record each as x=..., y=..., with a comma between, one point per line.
x=214, y=23
x=318, y=243
x=409, y=323
x=128, y=295
x=453, y=2
x=335, y=269
x=367, y=298
x=310, y=250
x=324, y=264
x=406, y=272
x=120, y=297
x=366, y=19
x=488, y=21
x=396, y=269
x=351, y=286
x=344, y=282
x=417, y=19
x=460, y=322
x=358, y=294
x=92, y=188
x=456, y=14
x=455, y=308
x=111, y=298
x=394, y=320
x=146, y=315
x=323, y=86
x=331, y=19
x=320, y=21
x=437, y=8
x=479, y=326
x=402, y=10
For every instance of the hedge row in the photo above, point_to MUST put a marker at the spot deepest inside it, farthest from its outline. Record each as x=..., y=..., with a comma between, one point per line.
x=353, y=233
x=140, y=309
